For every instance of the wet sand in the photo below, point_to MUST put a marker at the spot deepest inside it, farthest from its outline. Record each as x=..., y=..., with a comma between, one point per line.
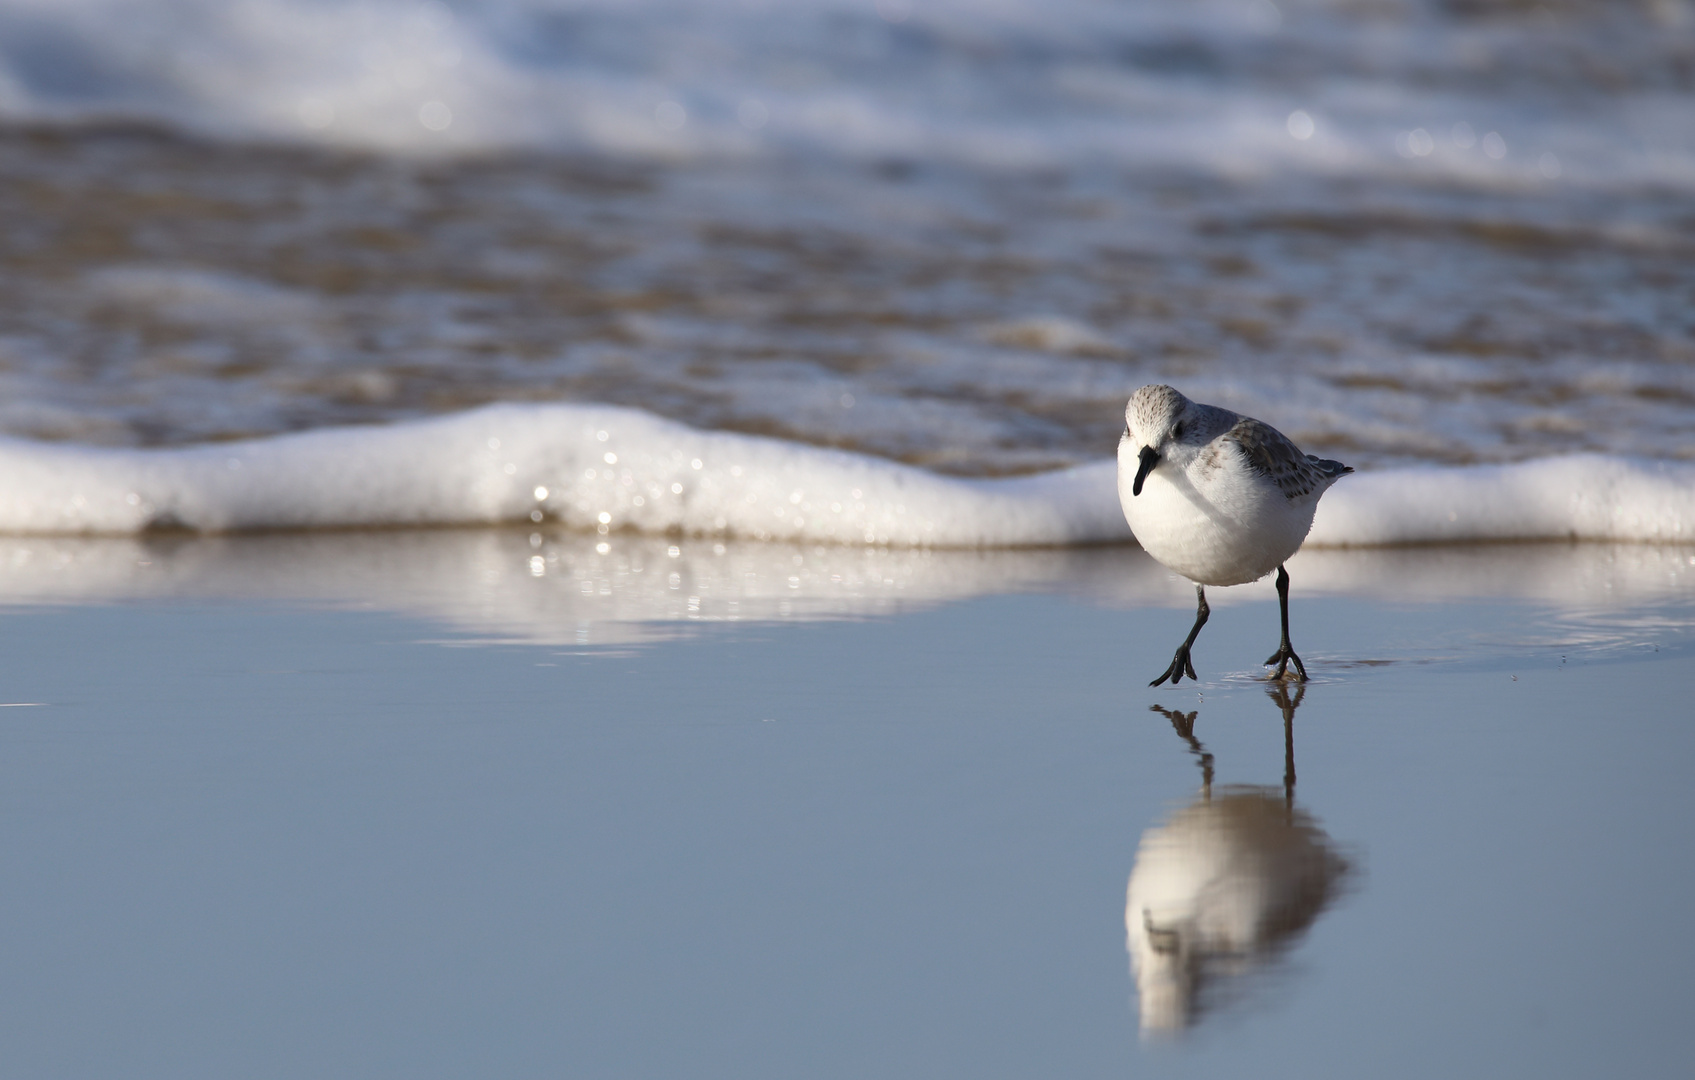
x=395, y=804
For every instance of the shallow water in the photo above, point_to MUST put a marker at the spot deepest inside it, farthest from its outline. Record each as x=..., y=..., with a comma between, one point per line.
x=168, y=291
x=957, y=235
x=274, y=803
x=551, y=587
x=646, y=798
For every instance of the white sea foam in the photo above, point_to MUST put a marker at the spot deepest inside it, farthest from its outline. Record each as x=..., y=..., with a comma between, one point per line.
x=587, y=467
x=1576, y=497
x=612, y=469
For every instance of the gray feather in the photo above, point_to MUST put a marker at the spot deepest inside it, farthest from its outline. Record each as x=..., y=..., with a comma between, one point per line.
x=1269, y=452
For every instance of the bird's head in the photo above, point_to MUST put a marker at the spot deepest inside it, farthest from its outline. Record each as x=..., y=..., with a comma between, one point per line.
x=1155, y=422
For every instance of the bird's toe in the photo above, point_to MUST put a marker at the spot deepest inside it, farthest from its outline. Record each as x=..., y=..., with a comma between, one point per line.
x=1282, y=658
x=1179, y=664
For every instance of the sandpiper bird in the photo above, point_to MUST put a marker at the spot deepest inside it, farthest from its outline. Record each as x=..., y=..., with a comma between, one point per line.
x=1220, y=498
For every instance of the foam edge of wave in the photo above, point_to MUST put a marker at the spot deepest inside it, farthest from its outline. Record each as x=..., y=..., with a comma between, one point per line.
x=607, y=468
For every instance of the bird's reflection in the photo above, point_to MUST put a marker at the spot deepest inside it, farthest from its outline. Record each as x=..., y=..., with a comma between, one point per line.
x=1224, y=886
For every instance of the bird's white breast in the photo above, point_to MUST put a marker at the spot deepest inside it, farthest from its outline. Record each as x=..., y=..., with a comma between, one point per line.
x=1215, y=522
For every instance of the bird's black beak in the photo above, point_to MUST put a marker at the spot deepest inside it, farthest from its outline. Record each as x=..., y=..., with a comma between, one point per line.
x=1150, y=458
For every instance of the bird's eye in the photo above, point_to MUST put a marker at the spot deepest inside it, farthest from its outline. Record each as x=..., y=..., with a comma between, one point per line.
x=1177, y=431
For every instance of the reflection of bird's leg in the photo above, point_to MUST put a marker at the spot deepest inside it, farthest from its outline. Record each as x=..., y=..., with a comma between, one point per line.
x=1285, y=652
x=1181, y=722
x=1180, y=663
x=1280, y=694
x=1184, y=723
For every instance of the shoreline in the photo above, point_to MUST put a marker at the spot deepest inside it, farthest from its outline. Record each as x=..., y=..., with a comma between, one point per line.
x=549, y=584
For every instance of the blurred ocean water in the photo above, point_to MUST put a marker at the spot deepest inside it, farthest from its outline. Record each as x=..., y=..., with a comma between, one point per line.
x=951, y=234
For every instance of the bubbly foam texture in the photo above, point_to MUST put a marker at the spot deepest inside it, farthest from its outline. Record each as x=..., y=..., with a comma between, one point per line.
x=611, y=469
x=1579, y=497
x=587, y=467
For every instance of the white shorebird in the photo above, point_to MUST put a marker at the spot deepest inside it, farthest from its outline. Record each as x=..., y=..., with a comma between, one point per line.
x=1220, y=498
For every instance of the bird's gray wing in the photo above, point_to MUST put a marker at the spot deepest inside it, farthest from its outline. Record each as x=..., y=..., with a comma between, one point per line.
x=1269, y=453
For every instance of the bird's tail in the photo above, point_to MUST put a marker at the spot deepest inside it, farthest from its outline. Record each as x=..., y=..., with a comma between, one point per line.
x=1331, y=469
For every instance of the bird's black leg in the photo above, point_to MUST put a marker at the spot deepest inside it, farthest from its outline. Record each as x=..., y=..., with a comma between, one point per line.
x=1285, y=652
x=1180, y=663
